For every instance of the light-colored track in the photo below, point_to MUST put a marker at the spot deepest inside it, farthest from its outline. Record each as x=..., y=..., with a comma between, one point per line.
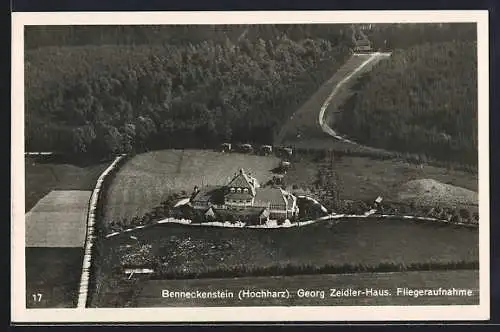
x=321, y=116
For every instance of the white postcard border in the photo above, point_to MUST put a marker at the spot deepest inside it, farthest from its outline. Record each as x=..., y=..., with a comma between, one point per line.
x=19, y=313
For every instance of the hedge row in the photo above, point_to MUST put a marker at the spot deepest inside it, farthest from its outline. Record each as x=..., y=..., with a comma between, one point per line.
x=307, y=212
x=291, y=270
x=465, y=215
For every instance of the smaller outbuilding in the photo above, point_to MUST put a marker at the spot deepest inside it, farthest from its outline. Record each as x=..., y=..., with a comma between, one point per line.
x=246, y=148
x=225, y=147
x=210, y=214
x=264, y=216
x=266, y=149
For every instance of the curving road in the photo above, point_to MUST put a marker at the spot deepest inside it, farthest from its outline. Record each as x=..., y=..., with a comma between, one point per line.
x=321, y=118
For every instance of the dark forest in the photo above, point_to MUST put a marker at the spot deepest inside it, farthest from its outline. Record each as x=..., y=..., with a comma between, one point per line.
x=102, y=90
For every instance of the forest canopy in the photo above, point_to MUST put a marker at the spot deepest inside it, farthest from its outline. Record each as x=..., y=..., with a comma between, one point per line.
x=110, y=89
x=107, y=99
x=421, y=100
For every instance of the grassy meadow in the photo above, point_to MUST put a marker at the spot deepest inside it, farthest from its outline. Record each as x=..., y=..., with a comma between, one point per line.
x=44, y=176
x=57, y=222
x=304, y=121
x=55, y=273
x=349, y=241
x=147, y=179
x=196, y=251
x=303, y=129
x=362, y=178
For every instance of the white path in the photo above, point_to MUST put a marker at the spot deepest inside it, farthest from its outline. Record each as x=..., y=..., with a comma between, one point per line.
x=321, y=118
x=372, y=213
x=90, y=237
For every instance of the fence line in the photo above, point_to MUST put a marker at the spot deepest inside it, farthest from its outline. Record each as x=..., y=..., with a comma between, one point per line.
x=372, y=213
x=90, y=237
x=38, y=153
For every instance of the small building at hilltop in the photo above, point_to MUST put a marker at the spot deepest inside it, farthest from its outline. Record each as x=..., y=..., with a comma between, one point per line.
x=242, y=198
x=363, y=46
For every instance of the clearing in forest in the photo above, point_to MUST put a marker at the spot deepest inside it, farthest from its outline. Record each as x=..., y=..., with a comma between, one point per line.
x=304, y=129
x=147, y=179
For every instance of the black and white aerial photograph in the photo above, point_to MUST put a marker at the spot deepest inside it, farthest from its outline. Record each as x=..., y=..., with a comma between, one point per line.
x=251, y=165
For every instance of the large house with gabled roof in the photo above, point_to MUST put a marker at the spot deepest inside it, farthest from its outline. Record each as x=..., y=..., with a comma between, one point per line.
x=244, y=198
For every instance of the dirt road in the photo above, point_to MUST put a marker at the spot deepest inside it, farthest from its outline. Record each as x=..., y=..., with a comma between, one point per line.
x=303, y=127
x=321, y=117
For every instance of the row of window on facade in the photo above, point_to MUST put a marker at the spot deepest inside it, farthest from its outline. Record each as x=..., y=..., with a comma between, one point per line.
x=239, y=190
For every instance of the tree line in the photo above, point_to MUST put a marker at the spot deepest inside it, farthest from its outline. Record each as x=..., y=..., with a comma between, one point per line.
x=389, y=35
x=84, y=35
x=406, y=35
x=421, y=100
x=113, y=99
x=111, y=89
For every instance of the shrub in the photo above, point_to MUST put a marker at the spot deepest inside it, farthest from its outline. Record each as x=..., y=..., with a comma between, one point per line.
x=464, y=214
x=455, y=218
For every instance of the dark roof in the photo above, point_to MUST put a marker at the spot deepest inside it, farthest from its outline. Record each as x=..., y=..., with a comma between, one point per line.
x=265, y=196
x=240, y=181
x=205, y=194
x=239, y=196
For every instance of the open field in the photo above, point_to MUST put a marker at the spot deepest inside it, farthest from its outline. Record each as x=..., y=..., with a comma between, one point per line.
x=58, y=220
x=57, y=197
x=429, y=191
x=303, y=128
x=54, y=273
x=55, y=236
x=353, y=241
x=364, y=178
x=147, y=179
x=150, y=294
x=190, y=251
x=43, y=177
x=305, y=120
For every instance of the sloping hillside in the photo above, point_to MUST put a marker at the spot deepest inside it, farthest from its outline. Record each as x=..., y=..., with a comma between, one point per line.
x=303, y=124
x=147, y=179
x=430, y=192
x=423, y=100
x=106, y=99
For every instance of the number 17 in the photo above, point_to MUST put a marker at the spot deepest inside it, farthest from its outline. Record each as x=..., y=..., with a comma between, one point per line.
x=37, y=297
